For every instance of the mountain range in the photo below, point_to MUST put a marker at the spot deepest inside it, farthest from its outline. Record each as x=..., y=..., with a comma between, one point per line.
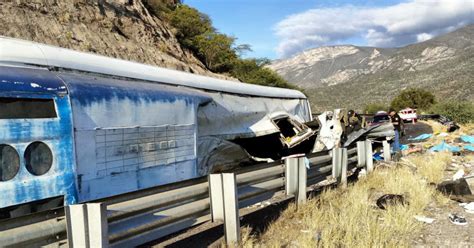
x=353, y=76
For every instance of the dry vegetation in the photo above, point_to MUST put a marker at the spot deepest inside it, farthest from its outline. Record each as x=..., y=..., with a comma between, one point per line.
x=350, y=218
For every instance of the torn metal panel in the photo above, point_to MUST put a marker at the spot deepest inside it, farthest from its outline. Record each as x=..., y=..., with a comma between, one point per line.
x=381, y=131
x=330, y=130
x=232, y=116
x=217, y=155
x=357, y=135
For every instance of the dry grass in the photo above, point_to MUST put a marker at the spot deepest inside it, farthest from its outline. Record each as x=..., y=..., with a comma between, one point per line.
x=430, y=167
x=436, y=126
x=467, y=128
x=349, y=217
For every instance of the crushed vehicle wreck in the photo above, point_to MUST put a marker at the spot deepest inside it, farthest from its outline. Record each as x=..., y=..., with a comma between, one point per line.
x=98, y=127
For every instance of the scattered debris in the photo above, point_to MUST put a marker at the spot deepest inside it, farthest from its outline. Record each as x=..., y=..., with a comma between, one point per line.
x=444, y=147
x=378, y=156
x=458, y=187
x=362, y=174
x=457, y=219
x=411, y=148
x=458, y=175
x=467, y=139
x=424, y=219
x=443, y=134
x=469, y=207
x=422, y=137
x=469, y=148
x=404, y=147
x=390, y=199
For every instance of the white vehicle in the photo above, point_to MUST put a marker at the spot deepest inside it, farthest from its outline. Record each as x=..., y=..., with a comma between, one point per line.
x=408, y=114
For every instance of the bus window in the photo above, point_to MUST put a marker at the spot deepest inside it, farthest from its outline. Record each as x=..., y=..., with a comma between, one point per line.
x=26, y=108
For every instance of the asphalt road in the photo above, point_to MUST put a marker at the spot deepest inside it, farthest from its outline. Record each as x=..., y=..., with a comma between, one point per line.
x=413, y=130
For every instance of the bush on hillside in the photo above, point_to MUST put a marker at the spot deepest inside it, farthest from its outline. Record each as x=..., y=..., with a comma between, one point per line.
x=161, y=7
x=373, y=108
x=458, y=111
x=217, y=51
x=413, y=98
x=253, y=71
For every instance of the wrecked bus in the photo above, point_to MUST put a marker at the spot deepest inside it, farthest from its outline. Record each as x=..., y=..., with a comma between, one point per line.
x=77, y=127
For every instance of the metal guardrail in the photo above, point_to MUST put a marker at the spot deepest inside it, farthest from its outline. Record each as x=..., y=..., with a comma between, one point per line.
x=139, y=217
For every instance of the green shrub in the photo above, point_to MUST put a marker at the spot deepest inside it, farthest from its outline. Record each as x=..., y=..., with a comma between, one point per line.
x=217, y=51
x=252, y=71
x=458, y=111
x=161, y=8
x=413, y=98
x=373, y=108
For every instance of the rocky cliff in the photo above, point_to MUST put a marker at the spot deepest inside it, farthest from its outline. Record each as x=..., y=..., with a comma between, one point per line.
x=351, y=76
x=122, y=29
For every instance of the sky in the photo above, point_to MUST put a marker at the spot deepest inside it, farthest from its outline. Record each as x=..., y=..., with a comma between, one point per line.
x=282, y=28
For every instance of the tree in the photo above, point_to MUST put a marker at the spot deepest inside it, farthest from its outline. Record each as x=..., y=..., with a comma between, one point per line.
x=161, y=8
x=373, y=108
x=216, y=51
x=252, y=71
x=458, y=111
x=189, y=24
x=413, y=98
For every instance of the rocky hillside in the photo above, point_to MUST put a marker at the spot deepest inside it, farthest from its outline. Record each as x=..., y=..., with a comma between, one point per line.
x=116, y=28
x=351, y=76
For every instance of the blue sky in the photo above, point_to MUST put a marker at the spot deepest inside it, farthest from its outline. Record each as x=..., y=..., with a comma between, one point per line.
x=282, y=28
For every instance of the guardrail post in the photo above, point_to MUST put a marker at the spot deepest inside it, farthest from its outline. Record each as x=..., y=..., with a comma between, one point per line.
x=386, y=151
x=87, y=225
x=216, y=197
x=302, y=178
x=344, y=158
x=336, y=163
x=369, y=159
x=231, y=209
x=76, y=219
x=291, y=175
x=296, y=178
x=361, y=153
x=224, y=204
x=97, y=225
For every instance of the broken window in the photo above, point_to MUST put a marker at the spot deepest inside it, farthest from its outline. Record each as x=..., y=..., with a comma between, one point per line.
x=292, y=132
x=26, y=108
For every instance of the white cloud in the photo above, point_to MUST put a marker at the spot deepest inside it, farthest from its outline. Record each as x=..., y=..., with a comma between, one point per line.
x=396, y=25
x=423, y=36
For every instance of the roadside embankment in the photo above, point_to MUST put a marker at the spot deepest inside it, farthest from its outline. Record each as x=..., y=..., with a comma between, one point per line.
x=351, y=218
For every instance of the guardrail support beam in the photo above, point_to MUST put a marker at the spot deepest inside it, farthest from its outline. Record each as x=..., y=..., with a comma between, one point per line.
x=296, y=178
x=87, y=225
x=337, y=163
x=386, y=151
x=344, y=158
x=369, y=156
x=361, y=155
x=225, y=205
x=76, y=219
x=302, y=177
x=97, y=225
x=231, y=209
x=216, y=196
